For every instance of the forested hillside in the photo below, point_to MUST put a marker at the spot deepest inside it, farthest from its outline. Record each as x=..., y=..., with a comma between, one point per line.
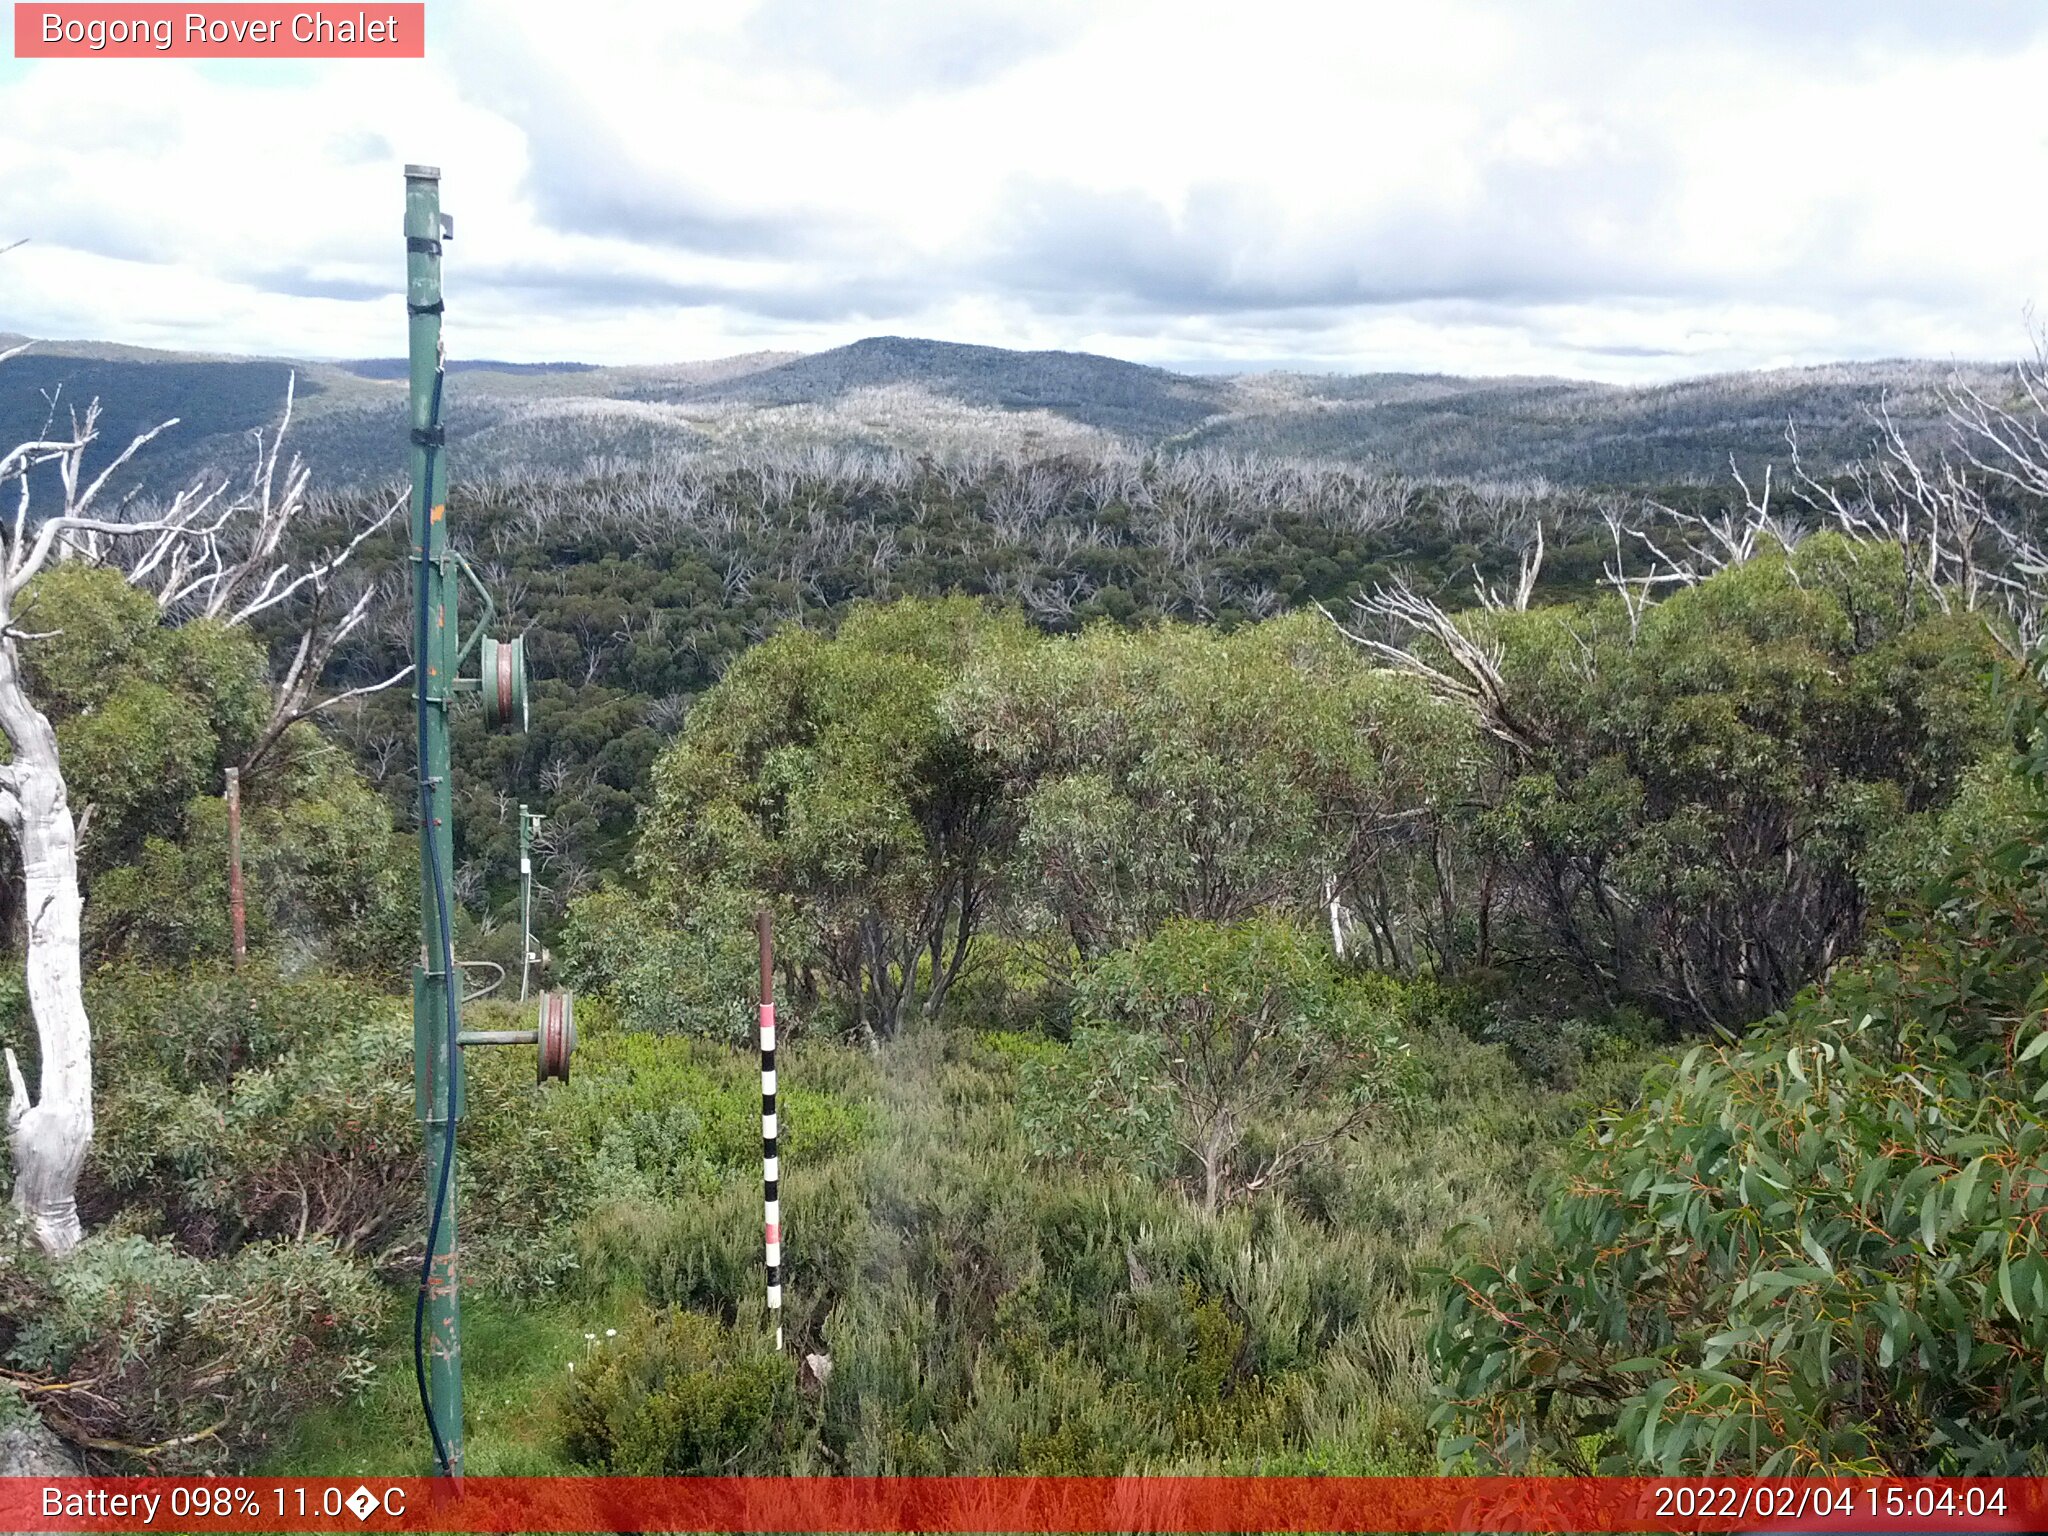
x=1285, y=966
x=636, y=590
x=918, y=396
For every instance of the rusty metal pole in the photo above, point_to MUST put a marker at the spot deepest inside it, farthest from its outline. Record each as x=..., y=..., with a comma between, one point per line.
x=771, y=1163
x=238, y=926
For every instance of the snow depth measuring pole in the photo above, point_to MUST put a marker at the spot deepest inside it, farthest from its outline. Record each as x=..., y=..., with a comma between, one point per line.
x=439, y=650
x=771, y=1164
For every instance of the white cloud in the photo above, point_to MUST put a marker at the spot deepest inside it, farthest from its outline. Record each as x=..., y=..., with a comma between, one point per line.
x=1600, y=189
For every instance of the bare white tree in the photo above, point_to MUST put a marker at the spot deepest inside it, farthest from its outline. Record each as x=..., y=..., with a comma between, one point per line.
x=235, y=568
x=1414, y=631
x=1940, y=508
x=209, y=551
x=1531, y=566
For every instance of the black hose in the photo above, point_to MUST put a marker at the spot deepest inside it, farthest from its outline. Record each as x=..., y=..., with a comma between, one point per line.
x=421, y=634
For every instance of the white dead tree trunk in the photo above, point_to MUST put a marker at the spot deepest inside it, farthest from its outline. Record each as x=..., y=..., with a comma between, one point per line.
x=1469, y=671
x=49, y=1135
x=205, y=552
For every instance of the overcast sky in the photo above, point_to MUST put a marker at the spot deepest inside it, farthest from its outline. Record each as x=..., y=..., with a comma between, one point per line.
x=1614, y=190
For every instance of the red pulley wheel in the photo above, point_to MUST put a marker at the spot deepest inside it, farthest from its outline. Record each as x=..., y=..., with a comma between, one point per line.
x=557, y=1035
x=504, y=681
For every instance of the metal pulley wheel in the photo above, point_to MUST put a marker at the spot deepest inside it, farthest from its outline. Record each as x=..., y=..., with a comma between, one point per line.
x=557, y=1035
x=503, y=664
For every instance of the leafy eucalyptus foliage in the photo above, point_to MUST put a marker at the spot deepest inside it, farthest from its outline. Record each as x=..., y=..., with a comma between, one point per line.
x=1233, y=1049
x=148, y=717
x=822, y=774
x=1819, y=1251
x=147, y=713
x=1687, y=823
x=693, y=973
x=1180, y=772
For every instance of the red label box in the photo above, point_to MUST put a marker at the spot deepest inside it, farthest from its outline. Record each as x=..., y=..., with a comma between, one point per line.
x=965, y=1505
x=259, y=30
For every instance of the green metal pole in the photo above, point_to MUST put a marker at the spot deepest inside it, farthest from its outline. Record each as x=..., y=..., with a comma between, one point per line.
x=435, y=1067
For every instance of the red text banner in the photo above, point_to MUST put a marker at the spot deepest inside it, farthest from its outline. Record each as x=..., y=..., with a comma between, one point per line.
x=220, y=31
x=991, y=1504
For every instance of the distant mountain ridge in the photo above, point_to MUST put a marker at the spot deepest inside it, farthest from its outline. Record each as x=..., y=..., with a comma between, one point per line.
x=943, y=397
x=400, y=368
x=1097, y=391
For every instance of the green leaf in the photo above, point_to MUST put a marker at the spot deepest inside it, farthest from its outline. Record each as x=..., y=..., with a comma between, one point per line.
x=1930, y=1222
x=1813, y=1247
x=1768, y=1280
x=1966, y=1185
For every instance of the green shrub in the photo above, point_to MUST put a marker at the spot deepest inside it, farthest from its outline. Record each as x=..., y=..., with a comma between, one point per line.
x=1821, y=1251
x=244, y=1107
x=1006, y=988
x=676, y=1394
x=697, y=977
x=1096, y=1103
x=200, y=1025
x=1240, y=1046
x=326, y=877
x=662, y=1117
x=1703, y=782
x=193, y=1364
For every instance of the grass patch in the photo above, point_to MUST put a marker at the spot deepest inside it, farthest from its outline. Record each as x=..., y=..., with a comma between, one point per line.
x=515, y=1369
x=987, y=1309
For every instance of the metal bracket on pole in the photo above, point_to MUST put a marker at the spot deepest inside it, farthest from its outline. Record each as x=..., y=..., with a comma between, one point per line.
x=555, y=1035
x=483, y=623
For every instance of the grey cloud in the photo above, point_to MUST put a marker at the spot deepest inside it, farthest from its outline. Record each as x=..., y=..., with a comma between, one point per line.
x=1524, y=241
x=1596, y=229
x=54, y=212
x=363, y=149
x=1624, y=351
x=587, y=289
x=586, y=176
x=585, y=180
x=302, y=283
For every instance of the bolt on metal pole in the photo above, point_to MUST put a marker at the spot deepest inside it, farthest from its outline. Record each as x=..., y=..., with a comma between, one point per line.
x=437, y=1066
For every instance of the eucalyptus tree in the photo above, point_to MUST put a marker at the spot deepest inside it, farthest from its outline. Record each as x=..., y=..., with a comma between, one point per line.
x=213, y=554
x=1693, y=772
x=1178, y=772
x=821, y=773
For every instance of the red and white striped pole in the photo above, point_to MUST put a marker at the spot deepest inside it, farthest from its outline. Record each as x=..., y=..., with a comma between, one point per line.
x=771, y=1164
